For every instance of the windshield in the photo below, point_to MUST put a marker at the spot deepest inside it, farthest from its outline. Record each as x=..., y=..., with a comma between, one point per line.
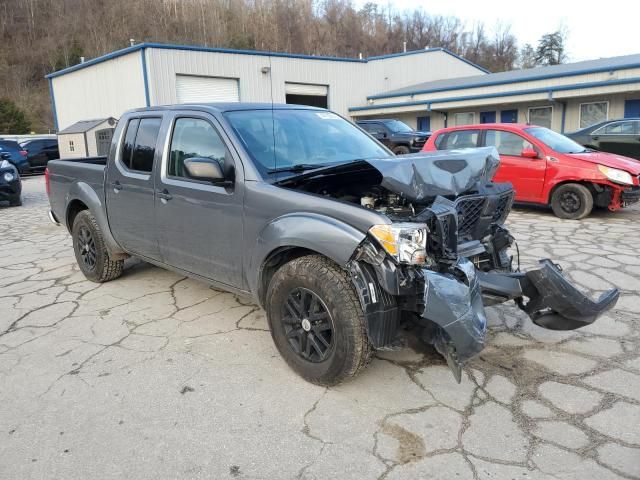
x=397, y=126
x=285, y=140
x=555, y=141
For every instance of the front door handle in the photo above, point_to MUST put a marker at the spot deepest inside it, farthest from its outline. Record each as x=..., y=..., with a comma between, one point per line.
x=595, y=137
x=117, y=186
x=164, y=195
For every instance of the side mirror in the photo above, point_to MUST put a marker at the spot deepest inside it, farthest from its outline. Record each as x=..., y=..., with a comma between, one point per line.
x=205, y=169
x=529, y=153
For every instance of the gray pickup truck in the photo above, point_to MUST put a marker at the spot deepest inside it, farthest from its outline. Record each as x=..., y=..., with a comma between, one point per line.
x=340, y=241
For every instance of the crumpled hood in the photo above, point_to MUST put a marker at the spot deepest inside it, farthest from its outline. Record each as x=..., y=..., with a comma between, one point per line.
x=445, y=172
x=611, y=160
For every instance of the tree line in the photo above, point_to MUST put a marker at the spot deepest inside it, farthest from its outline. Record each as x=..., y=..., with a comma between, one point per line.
x=41, y=36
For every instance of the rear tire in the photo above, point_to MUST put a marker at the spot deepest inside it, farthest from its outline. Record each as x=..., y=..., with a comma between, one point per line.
x=316, y=320
x=401, y=150
x=572, y=201
x=91, y=253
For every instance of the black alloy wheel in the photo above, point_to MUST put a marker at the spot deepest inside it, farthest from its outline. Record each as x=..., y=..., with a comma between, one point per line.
x=570, y=202
x=308, y=325
x=87, y=248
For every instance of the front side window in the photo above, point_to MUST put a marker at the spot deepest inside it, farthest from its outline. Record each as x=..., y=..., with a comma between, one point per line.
x=507, y=143
x=464, y=118
x=398, y=127
x=194, y=137
x=592, y=113
x=541, y=116
x=458, y=139
x=306, y=139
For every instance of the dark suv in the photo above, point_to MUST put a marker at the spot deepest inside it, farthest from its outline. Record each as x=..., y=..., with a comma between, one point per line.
x=16, y=155
x=399, y=137
x=40, y=151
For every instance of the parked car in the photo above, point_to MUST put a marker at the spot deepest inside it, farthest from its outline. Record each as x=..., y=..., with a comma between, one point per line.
x=39, y=152
x=613, y=136
x=338, y=239
x=548, y=168
x=17, y=155
x=399, y=137
x=10, y=183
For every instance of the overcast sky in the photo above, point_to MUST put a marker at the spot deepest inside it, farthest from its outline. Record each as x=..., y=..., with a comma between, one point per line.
x=594, y=30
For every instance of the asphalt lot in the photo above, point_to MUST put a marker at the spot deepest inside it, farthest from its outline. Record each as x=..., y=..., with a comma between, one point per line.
x=158, y=376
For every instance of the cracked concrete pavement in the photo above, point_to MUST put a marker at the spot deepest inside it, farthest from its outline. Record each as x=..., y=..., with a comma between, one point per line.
x=159, y=376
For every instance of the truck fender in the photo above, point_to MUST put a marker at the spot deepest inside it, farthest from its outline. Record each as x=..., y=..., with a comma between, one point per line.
x=319, y=233
x=83, y=192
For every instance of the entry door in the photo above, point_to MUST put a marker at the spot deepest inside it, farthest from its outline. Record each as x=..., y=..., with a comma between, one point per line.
x=632, y=108
x=525, y=174
x=130, y=188
x=487, y=117
x=200, y=224
x=424, y=124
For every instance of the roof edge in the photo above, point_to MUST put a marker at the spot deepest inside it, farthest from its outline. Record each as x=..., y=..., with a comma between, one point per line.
x=584, y=71
x=168, y=46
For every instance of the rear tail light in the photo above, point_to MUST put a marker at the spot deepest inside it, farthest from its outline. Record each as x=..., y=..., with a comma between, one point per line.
x=46, y=181
x=23, y=153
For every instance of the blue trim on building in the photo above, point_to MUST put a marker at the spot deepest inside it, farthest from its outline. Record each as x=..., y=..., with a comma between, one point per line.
x=145, y=78
x=192, y=48
x=587, y=71
x=548, y=90
x=564, y=116
x=52, y=98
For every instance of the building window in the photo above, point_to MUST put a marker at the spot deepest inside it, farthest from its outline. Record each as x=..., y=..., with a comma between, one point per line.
x=592, y=113
x=72, y=148
x=464, y=118
x=541, y=116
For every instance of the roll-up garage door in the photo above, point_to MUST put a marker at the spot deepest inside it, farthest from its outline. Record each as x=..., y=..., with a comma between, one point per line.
x=306, y=89
x=191, y=89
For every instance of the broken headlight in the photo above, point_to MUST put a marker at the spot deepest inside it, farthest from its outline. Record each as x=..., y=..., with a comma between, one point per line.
x=406, y=242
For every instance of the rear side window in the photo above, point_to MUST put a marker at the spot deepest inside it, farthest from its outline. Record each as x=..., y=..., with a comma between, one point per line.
x=458, y=139
x=139, y=145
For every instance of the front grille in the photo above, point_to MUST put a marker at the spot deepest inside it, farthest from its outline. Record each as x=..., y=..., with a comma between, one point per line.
x=469, y=212
x=475, y=211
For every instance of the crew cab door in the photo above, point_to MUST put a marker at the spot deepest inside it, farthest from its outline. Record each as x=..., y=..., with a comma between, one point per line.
x=525, y=174
x=199, y=223
x=129, y=188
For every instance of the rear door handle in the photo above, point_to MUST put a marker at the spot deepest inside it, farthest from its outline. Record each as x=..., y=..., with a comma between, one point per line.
x=164, y=196
x=117, y=186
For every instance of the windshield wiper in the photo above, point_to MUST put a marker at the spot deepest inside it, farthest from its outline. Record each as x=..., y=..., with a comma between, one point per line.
x=298, y=167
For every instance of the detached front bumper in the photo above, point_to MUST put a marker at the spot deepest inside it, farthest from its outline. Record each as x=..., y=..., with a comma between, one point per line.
x=454, y=302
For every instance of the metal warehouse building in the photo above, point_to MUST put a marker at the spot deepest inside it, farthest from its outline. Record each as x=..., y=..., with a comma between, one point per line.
x=562, y=97
x=150, y=74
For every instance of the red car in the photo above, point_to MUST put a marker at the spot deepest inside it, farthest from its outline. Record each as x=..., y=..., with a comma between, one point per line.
x=548, y=168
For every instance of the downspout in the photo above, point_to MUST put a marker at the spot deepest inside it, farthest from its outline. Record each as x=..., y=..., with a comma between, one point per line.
x=564, y=115
x=145, y=77
x=444, y=114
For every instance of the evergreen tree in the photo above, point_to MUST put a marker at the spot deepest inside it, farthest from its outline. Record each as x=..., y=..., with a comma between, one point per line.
x=551, y=49
x=12, y=119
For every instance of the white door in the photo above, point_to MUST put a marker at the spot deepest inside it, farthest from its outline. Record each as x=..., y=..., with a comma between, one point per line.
x=193, y=89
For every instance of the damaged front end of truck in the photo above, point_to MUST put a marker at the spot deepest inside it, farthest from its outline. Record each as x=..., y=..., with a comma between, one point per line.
x=445, y=253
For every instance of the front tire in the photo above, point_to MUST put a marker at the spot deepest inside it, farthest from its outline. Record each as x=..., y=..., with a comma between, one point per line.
x=16, y=202
x=572, y=201
x=316, y=320
x=91, y=253
x=401, y=150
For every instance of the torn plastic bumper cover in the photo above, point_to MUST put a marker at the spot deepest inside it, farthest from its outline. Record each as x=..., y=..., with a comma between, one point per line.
x=455, y=303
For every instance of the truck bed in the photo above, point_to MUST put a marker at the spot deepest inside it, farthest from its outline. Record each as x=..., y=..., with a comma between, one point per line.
x=76, y=173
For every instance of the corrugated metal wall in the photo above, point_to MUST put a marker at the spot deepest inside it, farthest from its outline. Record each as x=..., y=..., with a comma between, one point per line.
x=102, y=90
x=349, y=82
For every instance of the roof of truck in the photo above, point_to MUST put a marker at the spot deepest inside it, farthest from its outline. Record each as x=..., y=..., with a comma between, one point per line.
x=229, y=107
